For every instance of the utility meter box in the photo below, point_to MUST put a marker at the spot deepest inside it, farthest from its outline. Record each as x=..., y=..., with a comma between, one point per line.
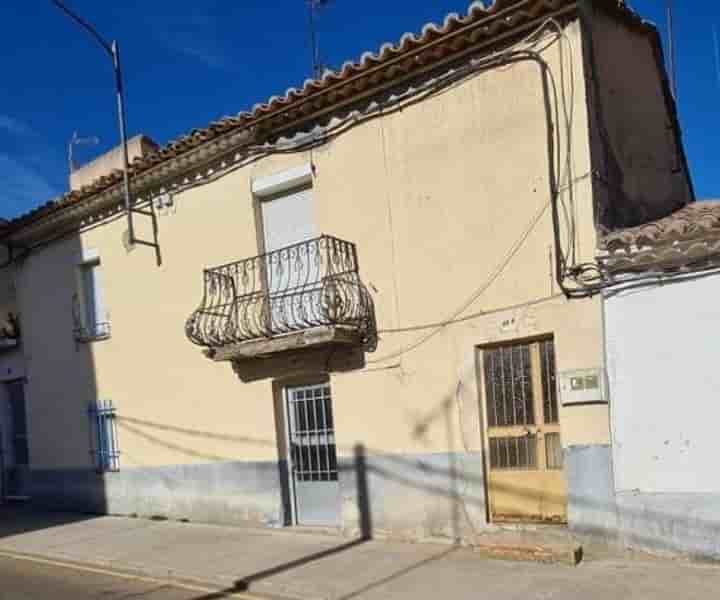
x=583, y=386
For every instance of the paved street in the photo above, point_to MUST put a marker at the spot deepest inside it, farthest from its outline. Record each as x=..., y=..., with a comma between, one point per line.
x=281, y=563
x=30, y=580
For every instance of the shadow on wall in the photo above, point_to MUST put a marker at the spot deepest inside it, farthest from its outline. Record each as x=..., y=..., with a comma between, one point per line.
x=595, y=513
x=63, y=439
x=62, y=319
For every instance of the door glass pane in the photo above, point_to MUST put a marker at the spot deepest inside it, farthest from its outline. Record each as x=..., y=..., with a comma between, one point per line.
x=312, y=434
x=553, y=451
x=519, y=453
x=547, y=360
x=508, y=386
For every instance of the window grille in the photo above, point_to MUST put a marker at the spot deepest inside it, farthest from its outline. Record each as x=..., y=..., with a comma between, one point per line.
x=513, y=452
x=550, y=403
x=553, y=451
x=104, y=439
x=509, y=386
x=312, y=433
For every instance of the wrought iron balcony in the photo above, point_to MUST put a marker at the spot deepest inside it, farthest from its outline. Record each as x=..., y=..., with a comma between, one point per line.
x=310, y=285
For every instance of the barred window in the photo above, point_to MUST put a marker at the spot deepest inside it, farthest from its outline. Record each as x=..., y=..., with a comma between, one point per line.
x=508, y=381
x=104, y=438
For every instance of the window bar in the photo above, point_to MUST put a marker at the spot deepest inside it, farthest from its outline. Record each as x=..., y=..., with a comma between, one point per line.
x=503, y=387
x=548, y=398
x=116, y=450
x=303, y=437
x=529, y=390
x=506, y=447
x=325, y=437
x=523, y=395
x=100, y=438
x=317, y=475
x=489, y=389
x=493, y=382
x=511, y=352
x=300, y=468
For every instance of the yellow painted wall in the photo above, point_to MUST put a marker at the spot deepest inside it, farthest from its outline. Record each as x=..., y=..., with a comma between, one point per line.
x=436, y=197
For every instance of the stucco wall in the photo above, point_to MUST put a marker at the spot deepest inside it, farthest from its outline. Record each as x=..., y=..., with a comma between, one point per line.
x=635, y=140
x=663, y=383
x=448, y=202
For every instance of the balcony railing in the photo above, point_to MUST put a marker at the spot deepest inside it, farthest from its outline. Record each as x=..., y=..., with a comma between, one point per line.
x=311, y=284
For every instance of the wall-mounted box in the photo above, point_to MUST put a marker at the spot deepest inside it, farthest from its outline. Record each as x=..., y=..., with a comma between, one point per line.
x=583, y=386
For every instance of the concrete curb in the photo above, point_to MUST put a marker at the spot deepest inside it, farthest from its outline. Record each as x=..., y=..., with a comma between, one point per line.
x=171, y=577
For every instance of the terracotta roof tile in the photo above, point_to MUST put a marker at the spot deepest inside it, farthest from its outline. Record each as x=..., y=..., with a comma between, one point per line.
x=688, y=238
x=498, y=17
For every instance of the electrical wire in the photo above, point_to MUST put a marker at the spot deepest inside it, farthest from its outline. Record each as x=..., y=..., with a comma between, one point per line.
x=437, y=328
x=412, y=95
x=253, y=153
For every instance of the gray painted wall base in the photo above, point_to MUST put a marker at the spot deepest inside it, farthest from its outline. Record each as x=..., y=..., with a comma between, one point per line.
x=401, y=496
x=416, y=496
x=673, y=524
x=413, y=497
x=228, y=492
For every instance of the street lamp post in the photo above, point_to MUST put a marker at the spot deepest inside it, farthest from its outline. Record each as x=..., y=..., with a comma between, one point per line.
x=113, y=50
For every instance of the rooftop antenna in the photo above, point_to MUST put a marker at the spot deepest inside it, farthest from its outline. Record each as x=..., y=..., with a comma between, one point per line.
x=716, y=37
x=314, y=7
x=112, y=50
x=671, y=50
x=75, y=140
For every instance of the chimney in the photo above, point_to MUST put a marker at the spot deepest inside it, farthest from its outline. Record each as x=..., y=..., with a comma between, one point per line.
x=138, y=146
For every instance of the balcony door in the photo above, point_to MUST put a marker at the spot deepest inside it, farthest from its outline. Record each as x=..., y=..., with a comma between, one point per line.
x=291, y=266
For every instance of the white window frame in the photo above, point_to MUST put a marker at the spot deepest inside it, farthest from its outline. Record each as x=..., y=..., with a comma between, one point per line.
x=89, y=298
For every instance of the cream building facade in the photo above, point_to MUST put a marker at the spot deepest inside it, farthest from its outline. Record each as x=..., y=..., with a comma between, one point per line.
x=401, y=339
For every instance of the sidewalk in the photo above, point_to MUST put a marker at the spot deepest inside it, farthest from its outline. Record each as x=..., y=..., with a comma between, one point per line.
x=286, y=564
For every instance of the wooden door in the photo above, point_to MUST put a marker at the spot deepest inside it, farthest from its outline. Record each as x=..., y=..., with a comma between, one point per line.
x=526, y=477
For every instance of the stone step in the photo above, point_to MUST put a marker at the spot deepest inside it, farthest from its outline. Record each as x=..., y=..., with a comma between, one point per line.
x=569, y=554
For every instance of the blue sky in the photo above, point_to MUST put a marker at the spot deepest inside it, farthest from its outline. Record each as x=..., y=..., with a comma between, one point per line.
x=188, y=63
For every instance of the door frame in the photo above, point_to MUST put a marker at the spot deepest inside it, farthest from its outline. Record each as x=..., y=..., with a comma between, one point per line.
x=482, y=395
x=283, y=395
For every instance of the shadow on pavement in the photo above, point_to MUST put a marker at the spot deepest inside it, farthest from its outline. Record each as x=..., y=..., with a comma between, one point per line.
x=16, y=519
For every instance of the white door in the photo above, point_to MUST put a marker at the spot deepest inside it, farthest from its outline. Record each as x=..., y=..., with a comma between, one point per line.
x=313, y=457
x=292, y=268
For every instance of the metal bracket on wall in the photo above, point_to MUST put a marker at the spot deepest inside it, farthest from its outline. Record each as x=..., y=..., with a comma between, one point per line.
x=130, y=242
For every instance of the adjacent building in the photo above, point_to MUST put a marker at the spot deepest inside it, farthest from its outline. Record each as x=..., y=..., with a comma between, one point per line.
x=371, y=304
x=662, y=320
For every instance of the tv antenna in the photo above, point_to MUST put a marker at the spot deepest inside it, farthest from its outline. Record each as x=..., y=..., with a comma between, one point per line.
x=75, y=140
x=314, y=7
x=716, y=38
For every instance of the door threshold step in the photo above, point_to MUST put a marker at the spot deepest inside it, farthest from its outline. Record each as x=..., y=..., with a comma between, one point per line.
x=511, y=547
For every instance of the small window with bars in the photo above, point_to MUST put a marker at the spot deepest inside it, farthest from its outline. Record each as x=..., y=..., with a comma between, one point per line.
x=518, y=453
x=312, y=433
x=104, y=439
